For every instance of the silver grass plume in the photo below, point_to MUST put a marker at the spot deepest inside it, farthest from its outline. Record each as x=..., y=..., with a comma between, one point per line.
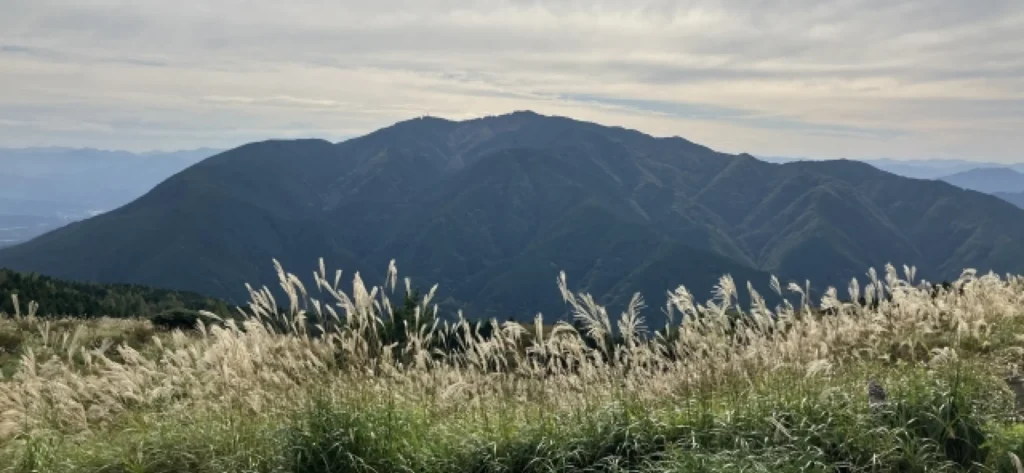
x=631, y=324
x=392, y=277
x=830, y=300
x=725, y=291
x=854, y=290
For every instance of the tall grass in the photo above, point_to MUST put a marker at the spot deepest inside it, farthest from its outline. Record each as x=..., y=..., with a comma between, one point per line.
x=322, y=385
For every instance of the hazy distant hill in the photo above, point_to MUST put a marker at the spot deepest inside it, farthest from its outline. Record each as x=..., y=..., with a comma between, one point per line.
x=1016, y=198
x=493, y=208
x=45, y=188
x=19, y=228
x=988, y=180
x=916, y=168
x=98, y=177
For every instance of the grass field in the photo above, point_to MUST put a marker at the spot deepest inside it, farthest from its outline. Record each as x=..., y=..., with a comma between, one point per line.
x=332, y=385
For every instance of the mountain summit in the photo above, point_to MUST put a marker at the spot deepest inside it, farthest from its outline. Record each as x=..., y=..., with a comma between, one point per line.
x=493, y=208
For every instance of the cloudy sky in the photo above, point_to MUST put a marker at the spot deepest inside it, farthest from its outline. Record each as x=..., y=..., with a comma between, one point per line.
x=852, y=78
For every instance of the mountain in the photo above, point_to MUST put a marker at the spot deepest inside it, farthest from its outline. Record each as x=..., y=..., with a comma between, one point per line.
x=51, y=187
x=988, y=180
x=493, y=208
x=918, y=168
x=1015, y=198
x=926, y=168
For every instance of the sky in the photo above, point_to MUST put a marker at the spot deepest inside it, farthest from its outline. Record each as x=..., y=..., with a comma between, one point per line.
x=909, y=79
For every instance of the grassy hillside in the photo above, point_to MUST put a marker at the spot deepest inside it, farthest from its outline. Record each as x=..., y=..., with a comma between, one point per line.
x=758, y=388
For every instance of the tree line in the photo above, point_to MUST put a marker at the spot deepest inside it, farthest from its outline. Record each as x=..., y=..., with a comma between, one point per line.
x=59, y=298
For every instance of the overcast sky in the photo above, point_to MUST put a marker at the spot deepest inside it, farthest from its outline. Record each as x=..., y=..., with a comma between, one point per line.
x=853, y=78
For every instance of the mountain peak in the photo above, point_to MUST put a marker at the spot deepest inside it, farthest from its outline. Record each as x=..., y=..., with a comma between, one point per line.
x=525, y=113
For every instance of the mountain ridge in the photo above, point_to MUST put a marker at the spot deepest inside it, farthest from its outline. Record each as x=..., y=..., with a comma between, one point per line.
x=930, y=169
x=988, y=180
x=1015, y=198
x=492, y=209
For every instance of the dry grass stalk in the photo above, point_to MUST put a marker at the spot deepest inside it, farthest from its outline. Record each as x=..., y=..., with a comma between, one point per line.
x=269, y=357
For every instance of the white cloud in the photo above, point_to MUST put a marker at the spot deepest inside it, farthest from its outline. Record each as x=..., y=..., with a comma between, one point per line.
x=917, y=78
x=277, y=101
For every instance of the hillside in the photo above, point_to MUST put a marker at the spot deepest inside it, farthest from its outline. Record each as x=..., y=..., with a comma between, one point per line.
x=493, y=208
x=56, y=297
x=988, y=180
x=1015, y=198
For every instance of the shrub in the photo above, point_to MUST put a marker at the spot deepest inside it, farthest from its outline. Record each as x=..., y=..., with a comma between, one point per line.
x=180, y=319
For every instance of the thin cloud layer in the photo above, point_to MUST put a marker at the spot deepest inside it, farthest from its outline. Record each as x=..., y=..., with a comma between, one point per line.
x=914, y=79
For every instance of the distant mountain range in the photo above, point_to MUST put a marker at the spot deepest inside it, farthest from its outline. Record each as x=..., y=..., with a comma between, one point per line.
x=1011, y=197
x=1004, y=181
x=917, y=169
x=493, y=208
x=989, y=180
x=45, y=188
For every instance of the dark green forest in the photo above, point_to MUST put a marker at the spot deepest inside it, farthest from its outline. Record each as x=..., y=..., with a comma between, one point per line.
x=57, y=297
